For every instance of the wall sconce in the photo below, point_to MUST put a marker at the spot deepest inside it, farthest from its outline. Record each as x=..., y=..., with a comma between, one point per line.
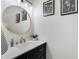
x=24, y=1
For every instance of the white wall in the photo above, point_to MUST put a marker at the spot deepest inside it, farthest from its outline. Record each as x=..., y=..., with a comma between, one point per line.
x=9, y=35
x=60, y=32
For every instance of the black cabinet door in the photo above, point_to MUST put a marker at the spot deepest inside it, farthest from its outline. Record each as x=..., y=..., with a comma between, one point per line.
x=37, y=53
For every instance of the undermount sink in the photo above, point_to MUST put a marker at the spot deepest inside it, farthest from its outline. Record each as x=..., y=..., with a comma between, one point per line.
x=26, y=44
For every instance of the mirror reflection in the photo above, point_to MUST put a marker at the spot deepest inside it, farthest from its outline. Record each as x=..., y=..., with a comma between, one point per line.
x=16, y=19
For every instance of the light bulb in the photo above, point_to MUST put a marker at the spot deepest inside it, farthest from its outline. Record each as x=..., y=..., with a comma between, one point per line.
x=25, y=4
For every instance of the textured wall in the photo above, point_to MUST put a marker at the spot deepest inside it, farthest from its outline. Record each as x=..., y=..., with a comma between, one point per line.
x=4, y=46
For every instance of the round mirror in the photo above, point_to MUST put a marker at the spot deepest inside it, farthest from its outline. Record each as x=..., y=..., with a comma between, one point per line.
x=16, y=19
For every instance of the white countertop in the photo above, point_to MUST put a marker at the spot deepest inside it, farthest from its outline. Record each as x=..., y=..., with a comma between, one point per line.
x=18, y=50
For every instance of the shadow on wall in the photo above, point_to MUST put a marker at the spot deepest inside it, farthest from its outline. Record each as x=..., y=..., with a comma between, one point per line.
x=48, y=53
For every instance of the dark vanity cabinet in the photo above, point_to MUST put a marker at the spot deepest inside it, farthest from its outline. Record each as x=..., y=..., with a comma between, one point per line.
x=36, y=53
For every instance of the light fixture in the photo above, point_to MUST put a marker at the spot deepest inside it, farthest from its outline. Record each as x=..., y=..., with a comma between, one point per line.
x=24, y=1
x=29, y=2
